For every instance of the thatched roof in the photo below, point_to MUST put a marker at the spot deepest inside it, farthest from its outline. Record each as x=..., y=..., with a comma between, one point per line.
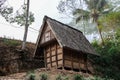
x=68, y=37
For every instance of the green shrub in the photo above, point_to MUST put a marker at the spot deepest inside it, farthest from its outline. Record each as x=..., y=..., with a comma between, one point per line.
x=10, y=42
x=66, y=78
x=97, y=78
x=44, y=76
x=78, y=77
x=109, y=62
x=59, y=77
x=32, y=77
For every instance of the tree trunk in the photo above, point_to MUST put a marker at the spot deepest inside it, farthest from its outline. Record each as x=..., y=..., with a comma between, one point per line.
x=100, y=34
x=95, y=16
x=25, y=37
x=26, y=27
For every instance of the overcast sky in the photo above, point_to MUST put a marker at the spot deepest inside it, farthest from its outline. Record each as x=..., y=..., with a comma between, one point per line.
x=39, y=8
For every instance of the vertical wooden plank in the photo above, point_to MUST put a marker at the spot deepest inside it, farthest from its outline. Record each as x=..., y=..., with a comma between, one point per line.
x=63, y=63
x=56, y=55
x=79, y=61
x=43, y=37
x=50, y=55
x=50, y=34
x=45, y=57
x=86, y=62
x=72, y=59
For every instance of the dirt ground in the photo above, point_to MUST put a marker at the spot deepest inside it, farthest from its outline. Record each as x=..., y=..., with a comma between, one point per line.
x=52, y=74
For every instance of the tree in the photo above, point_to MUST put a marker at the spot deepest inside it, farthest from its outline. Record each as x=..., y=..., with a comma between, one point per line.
x=85, y=10
x=111, y=21
x=111, y=24
x=22, y=18
x=5, y=11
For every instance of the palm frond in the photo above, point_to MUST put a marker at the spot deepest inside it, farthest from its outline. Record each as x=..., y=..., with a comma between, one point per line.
x=79, y=11
x=106, y=11
x=78, y=19
x=82, y=17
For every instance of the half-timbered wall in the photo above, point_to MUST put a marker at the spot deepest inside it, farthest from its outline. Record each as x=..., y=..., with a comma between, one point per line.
x=47, y=34
x=74, y=60
x=53, y=55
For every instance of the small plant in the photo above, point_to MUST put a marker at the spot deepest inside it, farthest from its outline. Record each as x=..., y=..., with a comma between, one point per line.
x=97, y=78
x=78, y=77
x=59, y=77
x=106, y=78
x=44, y=76
x=66, y=78
x=32, y=77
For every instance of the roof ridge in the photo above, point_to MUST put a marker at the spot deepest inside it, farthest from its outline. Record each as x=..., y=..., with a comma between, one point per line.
x=46, y=17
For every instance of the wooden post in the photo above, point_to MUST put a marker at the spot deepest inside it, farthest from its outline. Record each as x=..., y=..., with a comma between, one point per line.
x=56, y=55
x=45, y=61
x=79, y=61
x=72, y=61
x=63, y=59
x=86, y=63
x=50, y=56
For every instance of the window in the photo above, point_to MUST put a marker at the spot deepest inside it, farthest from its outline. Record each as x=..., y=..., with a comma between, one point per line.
x=47, y=36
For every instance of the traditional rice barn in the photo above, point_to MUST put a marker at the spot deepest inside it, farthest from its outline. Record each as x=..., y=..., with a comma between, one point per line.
x=62, y=46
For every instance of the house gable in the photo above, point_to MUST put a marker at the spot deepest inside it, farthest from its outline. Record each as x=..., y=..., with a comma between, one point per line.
x=48, y=49
x=46, y=34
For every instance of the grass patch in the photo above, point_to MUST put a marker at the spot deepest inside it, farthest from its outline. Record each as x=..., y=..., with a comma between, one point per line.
x=10, y=42
x=78, y=77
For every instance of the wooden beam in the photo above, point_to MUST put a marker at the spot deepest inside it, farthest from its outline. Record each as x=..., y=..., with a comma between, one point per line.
x=50, y=34
x=48, y=42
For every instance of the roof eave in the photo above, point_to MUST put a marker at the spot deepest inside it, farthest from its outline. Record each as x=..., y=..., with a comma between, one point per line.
x=64, y=47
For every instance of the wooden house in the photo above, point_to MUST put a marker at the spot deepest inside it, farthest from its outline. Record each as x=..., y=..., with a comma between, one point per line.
x=61, y=46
